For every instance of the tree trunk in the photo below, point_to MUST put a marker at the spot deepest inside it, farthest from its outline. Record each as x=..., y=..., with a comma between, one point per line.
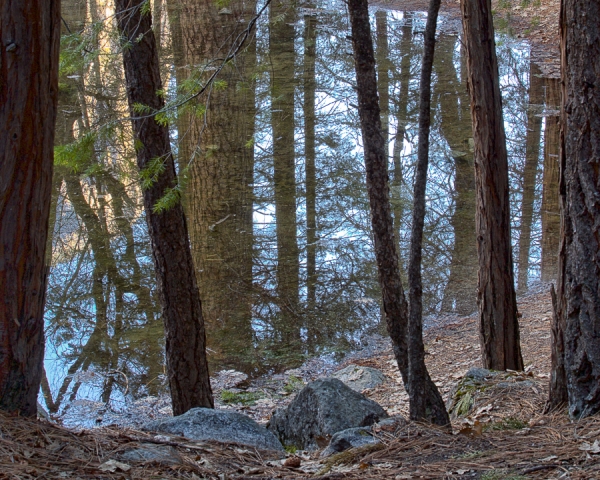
x=386, y=254
x=579, y=260
x=499, y=327
x=425, y=400
x=178, y=292
x=532, y=156
x=28, y=95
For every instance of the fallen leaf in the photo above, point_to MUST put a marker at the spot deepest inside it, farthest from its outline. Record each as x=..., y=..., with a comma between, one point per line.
x=590, y=448
x=112, y=466
x=474, y=431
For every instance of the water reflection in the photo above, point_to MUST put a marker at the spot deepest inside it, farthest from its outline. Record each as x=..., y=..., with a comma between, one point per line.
x=275, y=195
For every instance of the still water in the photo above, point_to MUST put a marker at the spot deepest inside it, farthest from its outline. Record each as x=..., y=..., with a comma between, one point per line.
x=274, y=188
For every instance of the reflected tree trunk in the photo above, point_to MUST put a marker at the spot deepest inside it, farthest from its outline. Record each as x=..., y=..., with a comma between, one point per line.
x=282, y=17
x=498, y=324
x=383, y=72
x=219, y=148
x=460, y=293
x=402, y=121
x=310, y=84
x=178, y=292
x=550, y=204
x=532, y=155
x=28, y=95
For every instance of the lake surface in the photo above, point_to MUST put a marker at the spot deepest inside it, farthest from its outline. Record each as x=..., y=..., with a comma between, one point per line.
x=270, y=158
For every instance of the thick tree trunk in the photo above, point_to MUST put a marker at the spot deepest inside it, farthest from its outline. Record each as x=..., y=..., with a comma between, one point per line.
x=579, y=261
x=532, y=156
x=499, y=327
x=375, y=155
x=28, y=95
x=178, y=292
x=425, y=400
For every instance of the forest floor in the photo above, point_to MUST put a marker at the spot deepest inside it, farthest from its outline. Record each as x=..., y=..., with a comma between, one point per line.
x=504, y=435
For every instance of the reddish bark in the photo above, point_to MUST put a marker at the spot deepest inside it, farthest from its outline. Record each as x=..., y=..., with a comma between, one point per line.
x=176, y=281
x=386, y=254
x=499, y=328
x=28, y=95
x=425, y=399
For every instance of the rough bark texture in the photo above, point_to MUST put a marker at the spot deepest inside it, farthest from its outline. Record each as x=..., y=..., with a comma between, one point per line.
x=394, y=302
x=532, y=156
x=579, y=260
x=178, y=292
x=425, y=400
x=499, y=328
x=28, y=95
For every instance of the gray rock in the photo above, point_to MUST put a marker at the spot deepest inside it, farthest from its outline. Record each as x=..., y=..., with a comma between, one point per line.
x=479, y=374
x=220, y=425
x=152, y=453
x=358, y=378
x=323, y=408
x=524, y=384
x=350, y=438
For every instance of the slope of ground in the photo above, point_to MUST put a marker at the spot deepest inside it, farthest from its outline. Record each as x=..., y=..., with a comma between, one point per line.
x=504, y=435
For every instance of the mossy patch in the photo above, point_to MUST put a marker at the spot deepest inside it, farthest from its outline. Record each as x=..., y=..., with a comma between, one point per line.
x=510, y=423
x=501, y=475
x=294, y=384
x=242, y=398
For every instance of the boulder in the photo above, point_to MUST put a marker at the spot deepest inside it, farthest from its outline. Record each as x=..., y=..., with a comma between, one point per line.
x=349, y=438
x=359, y=378
x=321, y=409
x=219, y=425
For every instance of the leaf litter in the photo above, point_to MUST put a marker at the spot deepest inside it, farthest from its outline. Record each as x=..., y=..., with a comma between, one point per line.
x=504, y=432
